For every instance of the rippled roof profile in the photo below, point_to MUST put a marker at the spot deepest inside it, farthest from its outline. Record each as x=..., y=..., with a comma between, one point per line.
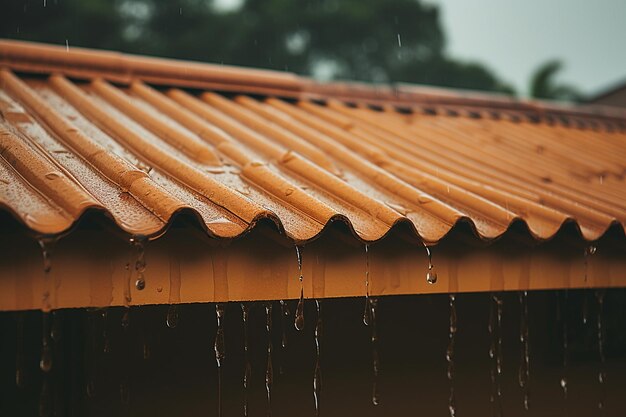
x=141, y=139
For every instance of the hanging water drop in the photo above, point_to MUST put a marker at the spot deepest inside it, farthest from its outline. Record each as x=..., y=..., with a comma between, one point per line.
x=220, y=353
x=269, y=370
x=450, y=354
x=375, y=359
x=317, y=372
x=172, y=316
x=524, y=369
x=299, y=316
x=431, y=275
x=367, y=309
x=247, y=367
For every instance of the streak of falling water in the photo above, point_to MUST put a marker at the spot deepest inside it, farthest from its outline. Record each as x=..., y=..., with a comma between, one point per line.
x=495, y=352
x=220, y=353
x=47, y=247
x=172, y=316
x=431, y=275
x=299, y=316
x=523, y=376
x=125, y=382
x=317, y=373
x=284, y=315
x=585, y=308
x=269, y=370
x=450, y=354
x=90, y=387
x=589, y=251
x=601, y=371
x=563, y=316
x=45, y=364
x=19, y=349
x=246, y=353
x=106, y=343
x=140, y=262
x=375, y=359
x=367, y=310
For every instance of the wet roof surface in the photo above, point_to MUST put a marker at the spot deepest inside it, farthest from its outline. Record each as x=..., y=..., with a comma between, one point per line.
x=96, y=130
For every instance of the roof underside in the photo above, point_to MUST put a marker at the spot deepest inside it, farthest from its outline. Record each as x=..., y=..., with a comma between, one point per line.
x=140, y=148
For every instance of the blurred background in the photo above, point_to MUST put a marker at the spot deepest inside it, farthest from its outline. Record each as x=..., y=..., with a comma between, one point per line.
x=568, y=50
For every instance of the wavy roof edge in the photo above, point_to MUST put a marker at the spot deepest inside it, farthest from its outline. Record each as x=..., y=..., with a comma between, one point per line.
x=402, y=223
x=85, y=63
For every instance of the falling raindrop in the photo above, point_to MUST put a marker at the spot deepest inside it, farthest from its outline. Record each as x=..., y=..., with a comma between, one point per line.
x=140, y=261
x=317, y=373
x=220, y=353
x=399, y=41
x=523, y=376
x=172, y=317
x=246, y=352
x=367, y=310
x=375, y=359
x=19, y=349
x=495, y=352
x=284, y=316
x=269, y=370
x=299, y=316
x=450, y=354
x=600, y=329
x=67, y=46
x=431, y=275
x=563, y=315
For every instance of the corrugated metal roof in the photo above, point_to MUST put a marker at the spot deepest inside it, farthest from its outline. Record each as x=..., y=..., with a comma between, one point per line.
x=138, y=147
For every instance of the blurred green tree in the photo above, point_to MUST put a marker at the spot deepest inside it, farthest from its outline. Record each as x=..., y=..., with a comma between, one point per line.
x=375, y=41
x=544, y=86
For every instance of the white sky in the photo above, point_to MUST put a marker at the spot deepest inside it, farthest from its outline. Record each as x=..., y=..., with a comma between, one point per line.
x=514, y=37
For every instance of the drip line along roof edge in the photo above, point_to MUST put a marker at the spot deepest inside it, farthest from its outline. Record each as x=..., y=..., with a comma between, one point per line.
x=228, y=234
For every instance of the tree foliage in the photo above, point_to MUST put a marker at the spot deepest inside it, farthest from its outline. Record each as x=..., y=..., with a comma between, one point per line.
x=543, y=84
x=377, y=41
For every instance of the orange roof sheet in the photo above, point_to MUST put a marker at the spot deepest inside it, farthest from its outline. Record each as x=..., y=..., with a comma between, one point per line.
x=83, y=130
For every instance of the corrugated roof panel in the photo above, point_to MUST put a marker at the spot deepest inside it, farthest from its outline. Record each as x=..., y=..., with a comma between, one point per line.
x=142, y=153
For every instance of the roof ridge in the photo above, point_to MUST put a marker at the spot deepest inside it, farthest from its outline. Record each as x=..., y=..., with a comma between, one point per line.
x=119, y=67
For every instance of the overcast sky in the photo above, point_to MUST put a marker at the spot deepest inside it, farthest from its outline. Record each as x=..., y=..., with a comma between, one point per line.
x=515, y=37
